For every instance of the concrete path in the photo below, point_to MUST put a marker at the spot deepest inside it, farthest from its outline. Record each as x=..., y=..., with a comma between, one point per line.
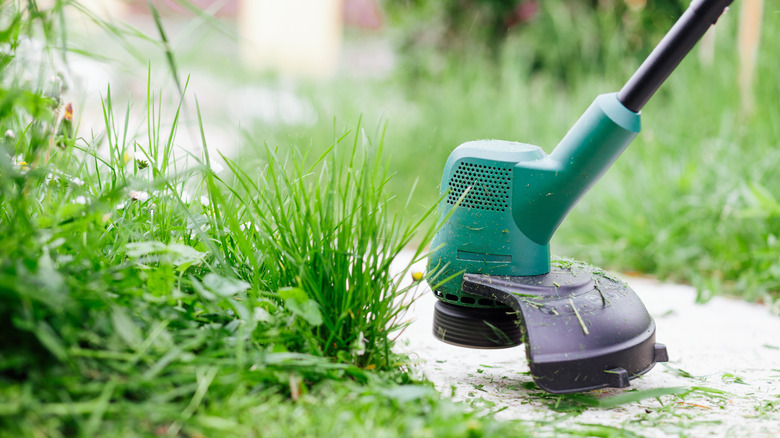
x=726, y=352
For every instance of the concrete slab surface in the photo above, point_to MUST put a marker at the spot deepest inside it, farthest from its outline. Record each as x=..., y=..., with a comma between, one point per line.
x=727, y=352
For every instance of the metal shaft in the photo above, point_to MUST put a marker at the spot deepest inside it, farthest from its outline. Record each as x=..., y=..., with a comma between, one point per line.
x=685, y=33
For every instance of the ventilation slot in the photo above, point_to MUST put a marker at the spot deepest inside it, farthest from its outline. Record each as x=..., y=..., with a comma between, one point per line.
x=488, y=187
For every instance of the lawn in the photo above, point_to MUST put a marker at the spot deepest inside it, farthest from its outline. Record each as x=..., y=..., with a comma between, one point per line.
x=150, y=289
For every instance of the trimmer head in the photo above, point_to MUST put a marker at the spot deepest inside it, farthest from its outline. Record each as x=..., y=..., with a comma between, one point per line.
x=502, y=202
x=583, y=329
x=477, y=328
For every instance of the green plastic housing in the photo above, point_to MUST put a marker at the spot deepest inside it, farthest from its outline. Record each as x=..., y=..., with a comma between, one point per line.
x=502, y=201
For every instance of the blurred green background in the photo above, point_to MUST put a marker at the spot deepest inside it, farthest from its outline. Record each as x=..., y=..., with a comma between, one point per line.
x=694, y=199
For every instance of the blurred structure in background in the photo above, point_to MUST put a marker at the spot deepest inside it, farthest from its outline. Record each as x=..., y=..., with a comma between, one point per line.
x=751, y=12
x=301, y=37
x=364, y=14
x=290, y=37
x=307, y=37
x=106, y=8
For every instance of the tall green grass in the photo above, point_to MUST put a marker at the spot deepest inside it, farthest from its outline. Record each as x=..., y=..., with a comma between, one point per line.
x=128, y=304
x=143, y=292
x=326, y=230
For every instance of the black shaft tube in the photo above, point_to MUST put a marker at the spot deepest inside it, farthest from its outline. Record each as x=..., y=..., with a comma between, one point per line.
x=685, y=33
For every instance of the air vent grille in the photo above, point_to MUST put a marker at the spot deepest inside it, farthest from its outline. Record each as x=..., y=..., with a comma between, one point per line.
x=488, y=187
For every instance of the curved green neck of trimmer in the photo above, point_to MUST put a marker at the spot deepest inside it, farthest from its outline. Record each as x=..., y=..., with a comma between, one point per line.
x=545, y=190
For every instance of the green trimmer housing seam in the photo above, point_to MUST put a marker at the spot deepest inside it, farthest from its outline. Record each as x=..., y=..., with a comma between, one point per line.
x=501, y=203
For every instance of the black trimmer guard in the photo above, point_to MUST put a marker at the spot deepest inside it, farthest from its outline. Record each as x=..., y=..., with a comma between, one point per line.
x=582, y=328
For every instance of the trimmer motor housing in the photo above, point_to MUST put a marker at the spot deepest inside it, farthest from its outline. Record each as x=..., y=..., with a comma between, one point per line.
x=502, y=201
x=480, y=235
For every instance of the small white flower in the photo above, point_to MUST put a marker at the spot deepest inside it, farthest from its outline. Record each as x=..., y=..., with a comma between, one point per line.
x=216, y=167
x=138, y=195
x=359, y=345
x=248, y=225
x=186, y=196
x=262, y=314
x=80, y=200
x=19, y=163
x=10, y=135
x=204, y=200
